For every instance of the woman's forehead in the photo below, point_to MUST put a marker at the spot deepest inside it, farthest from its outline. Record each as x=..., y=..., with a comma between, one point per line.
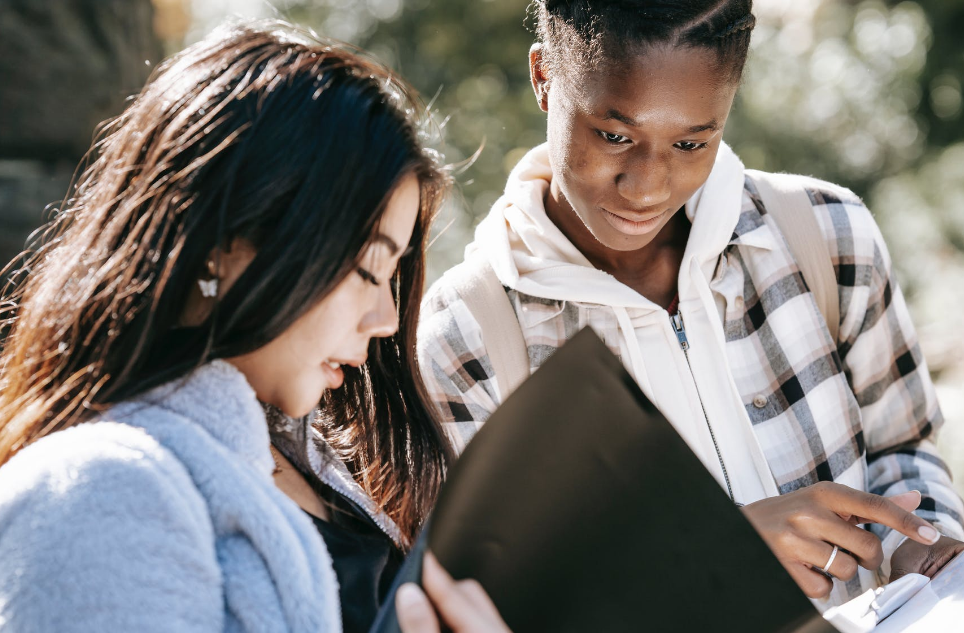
x=685, y=82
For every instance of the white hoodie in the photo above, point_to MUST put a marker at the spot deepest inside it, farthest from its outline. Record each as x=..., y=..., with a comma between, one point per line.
x=532, y=256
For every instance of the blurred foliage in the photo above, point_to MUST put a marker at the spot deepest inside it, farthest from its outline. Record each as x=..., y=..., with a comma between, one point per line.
x=866, y=94
x=470, y=60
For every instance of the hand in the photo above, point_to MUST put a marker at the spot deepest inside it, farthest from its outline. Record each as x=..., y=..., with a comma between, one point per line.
x=464, y=605
x=914, y=558
x=802, y=528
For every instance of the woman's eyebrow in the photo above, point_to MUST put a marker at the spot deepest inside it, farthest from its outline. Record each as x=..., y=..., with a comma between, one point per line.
x=387, y=241
x=613, y=114
x=616, y=115
x=711, y=125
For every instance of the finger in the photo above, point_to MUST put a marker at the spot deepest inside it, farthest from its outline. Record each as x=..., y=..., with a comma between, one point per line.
x=817, y=553
x=839, y=564
x=415, y=613
x=876, y=509
x=812, y=583
x=941, y=554
x=475, y=593
x=452, y=605
x=824, y=532
x=909, y=501
x=896, y=573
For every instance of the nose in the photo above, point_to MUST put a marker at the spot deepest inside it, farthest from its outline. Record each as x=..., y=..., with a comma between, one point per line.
x=645, y=181
x=382, y=320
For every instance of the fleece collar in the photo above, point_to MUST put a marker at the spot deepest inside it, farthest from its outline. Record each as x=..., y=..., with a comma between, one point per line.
x=218, y=398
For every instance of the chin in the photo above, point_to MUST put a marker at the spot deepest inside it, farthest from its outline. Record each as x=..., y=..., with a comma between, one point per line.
x=616, y=241
x=298, y=412
x=298, y=407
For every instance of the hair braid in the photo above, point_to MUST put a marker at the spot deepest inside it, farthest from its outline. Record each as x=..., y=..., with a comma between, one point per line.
x=585, y=34
x=746, y=23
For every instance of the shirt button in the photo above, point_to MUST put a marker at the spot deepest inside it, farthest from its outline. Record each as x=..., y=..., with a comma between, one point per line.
x=759, y=401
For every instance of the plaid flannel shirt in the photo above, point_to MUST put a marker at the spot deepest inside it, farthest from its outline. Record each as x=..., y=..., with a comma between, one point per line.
x=861, y=411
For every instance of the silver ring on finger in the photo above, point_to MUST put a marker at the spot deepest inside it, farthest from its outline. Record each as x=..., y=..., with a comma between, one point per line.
x=826, y=568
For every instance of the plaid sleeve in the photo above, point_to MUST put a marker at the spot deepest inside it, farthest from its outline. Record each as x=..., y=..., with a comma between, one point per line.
x=880, y=354
x=455, y=367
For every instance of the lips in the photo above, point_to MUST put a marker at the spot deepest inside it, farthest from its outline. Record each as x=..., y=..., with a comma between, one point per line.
x=334, y=376
x=632, y=223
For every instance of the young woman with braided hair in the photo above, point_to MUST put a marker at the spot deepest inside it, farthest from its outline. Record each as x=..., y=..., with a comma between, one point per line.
x=637, y=220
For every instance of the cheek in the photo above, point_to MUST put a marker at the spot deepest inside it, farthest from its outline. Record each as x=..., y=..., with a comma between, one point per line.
x=695, y=174
x=578, y=165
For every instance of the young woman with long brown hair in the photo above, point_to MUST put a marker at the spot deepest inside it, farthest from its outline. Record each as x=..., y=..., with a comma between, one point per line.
x=250, y=232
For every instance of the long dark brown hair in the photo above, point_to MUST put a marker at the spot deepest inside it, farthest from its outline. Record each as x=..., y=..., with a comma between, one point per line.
x=261, y=131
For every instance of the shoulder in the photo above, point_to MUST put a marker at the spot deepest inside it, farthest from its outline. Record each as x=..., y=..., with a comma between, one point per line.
x=843, y=217
x=101, y=505
x=820, y=192
x=86, y=462
x=444, y=312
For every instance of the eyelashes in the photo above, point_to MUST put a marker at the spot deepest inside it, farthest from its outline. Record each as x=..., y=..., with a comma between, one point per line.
x=367, y=276
x=370, y=278
x=690, y=146
x=619, y=139
x=612, y=139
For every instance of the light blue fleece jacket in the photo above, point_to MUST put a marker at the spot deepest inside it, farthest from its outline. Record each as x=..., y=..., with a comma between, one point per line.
x=161, y=517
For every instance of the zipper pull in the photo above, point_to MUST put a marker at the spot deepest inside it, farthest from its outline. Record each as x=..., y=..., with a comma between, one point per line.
x=677, y=321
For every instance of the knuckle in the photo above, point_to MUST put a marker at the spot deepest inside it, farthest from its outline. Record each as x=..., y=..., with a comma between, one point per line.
x=909, y=521
x=877, y=503
x=823, y=488
x=801, y=521
x=870, y=545
x=785, y=541
x=846, y=569
x=877, y=559
x=870, y=551
x=817, y=587
x=471, y=586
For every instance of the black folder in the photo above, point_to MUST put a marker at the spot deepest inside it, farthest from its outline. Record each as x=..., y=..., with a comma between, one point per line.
x=579, y=508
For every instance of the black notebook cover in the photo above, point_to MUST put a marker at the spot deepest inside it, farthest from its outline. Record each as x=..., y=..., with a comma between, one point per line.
x=579, y=508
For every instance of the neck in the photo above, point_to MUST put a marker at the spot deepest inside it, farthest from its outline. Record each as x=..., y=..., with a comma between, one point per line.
x=652, y=270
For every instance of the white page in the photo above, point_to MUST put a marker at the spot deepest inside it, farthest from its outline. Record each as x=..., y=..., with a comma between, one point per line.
x=938, y=607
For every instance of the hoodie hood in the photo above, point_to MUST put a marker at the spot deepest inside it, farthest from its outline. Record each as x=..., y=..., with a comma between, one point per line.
x=531, y=255
x=693, y=387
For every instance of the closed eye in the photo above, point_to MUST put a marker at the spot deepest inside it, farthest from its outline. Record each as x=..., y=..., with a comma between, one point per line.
x=367, y=276
x=690, y=146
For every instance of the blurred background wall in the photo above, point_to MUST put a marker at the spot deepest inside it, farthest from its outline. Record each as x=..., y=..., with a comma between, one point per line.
x=864, y=93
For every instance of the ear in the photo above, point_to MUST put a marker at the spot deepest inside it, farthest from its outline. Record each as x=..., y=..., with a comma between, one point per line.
x=230, y=262
x=539, y=75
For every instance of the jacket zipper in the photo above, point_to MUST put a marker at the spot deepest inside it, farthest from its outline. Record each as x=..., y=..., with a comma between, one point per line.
x=358, y=501
x=677, y=321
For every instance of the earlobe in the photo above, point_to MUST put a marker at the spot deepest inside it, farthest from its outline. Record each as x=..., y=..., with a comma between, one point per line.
x=539, y=75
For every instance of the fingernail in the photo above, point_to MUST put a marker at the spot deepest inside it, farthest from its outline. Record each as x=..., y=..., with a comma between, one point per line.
x=909, y=492
x=408, y=594
x=929, y=533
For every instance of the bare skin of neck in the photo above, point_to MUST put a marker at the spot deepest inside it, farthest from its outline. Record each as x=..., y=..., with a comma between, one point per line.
x=652, y=271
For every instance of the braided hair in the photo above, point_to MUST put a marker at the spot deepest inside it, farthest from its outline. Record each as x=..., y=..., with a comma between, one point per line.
x=589, y=34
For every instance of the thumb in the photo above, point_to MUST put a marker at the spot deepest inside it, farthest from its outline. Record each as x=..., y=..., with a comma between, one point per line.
x=907, y=500
x=414, y=611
